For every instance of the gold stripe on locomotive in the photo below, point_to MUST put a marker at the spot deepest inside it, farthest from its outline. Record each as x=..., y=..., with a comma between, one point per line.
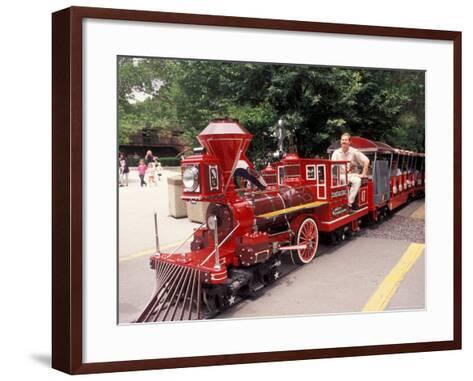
x=310, y=205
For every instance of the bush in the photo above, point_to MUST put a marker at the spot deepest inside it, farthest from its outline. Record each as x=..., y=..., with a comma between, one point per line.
x=170, y=161
x=132, y=161
x=165, y=161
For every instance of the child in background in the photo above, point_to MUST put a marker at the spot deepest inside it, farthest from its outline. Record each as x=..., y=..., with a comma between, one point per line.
x=142, y=167
x=159, y=171
x=123, y=170
x=151, y=173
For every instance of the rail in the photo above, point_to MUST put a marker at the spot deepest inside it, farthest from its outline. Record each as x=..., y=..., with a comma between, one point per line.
x=183, y=242
x=220, y=244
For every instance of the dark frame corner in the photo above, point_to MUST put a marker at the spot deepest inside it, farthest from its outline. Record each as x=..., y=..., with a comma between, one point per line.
x=67, y=188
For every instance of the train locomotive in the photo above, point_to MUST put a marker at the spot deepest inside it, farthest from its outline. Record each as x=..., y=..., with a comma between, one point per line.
x=256, y=219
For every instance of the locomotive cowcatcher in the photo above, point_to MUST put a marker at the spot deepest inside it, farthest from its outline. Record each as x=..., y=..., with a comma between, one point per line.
x=281, y=211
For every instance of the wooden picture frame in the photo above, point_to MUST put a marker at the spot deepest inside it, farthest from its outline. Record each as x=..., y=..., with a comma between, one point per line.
x=67, y=185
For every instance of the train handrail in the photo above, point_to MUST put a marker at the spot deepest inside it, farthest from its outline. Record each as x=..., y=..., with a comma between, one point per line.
x=187, y=239
x=220, y=244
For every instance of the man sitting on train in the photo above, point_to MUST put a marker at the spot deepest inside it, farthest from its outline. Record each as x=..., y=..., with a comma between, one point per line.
x=355, y=160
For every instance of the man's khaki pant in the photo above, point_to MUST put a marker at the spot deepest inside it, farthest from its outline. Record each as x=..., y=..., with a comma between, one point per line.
x=355, y=181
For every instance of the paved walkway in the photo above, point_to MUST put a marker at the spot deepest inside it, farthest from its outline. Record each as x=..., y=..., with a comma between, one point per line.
x=137, y=206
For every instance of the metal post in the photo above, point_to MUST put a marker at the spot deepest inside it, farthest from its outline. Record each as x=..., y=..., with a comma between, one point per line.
x=374, y=165
x=158, y=251
x=217, y=254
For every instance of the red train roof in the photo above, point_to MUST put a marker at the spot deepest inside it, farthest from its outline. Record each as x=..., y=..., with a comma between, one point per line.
x=408, y=153
x=364, y=145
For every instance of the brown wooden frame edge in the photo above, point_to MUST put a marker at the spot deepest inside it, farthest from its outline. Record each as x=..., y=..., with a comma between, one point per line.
x=67, y=188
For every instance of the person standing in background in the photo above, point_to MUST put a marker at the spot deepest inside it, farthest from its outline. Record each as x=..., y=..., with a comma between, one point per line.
x=123, y=170
x=159, y=171
x=149, y=158
x=142, y=167
x=151, y=173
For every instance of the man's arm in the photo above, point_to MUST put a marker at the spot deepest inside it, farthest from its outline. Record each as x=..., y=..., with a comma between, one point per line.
x=365, y=168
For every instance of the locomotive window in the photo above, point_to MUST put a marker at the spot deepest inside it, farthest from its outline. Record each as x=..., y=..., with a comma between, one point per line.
x=321, y=174
x=310, y=172
x=343, y=174
x=338, y=175
x=335, y=173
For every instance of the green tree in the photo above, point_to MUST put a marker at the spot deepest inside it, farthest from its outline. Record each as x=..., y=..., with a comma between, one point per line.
x=317, y=103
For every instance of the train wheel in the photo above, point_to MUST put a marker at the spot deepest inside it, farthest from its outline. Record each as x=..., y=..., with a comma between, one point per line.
x=308, y=234
x=342, y=234
x=211, y=301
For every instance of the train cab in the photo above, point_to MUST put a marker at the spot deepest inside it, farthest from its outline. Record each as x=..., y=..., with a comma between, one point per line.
x=375, y=192
x=397, y=175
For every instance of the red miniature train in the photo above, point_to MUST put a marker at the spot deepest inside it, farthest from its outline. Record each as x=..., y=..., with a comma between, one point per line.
x=283, y=211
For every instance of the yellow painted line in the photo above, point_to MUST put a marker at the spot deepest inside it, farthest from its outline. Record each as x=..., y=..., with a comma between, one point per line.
x=292, y=209
x=147, y=252
x=380, y=299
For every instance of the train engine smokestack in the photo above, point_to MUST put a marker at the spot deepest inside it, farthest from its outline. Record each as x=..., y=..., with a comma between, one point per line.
x=207, y=176
x=227, y=140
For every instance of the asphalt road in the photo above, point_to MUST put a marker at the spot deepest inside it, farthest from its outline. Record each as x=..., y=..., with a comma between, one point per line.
x=342, y=279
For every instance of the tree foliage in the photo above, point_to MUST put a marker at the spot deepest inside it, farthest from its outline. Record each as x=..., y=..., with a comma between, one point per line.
x=316, y=103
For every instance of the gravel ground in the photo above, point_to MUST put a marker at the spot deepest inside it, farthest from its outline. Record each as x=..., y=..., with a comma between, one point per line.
x=398, y=227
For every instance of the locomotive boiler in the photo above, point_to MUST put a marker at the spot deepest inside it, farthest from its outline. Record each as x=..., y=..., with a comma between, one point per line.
x=253, y=220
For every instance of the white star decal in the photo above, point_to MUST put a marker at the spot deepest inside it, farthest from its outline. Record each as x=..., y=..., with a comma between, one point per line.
x=231, y=300
x=276, y=275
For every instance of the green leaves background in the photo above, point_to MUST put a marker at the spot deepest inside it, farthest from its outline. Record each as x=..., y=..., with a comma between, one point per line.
x=317, y=103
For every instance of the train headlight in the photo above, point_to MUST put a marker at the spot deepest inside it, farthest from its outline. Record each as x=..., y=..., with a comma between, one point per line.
x=190, y=179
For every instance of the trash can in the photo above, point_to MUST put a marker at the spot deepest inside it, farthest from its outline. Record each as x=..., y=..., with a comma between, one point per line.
x=196, y=211
x=177, y=206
